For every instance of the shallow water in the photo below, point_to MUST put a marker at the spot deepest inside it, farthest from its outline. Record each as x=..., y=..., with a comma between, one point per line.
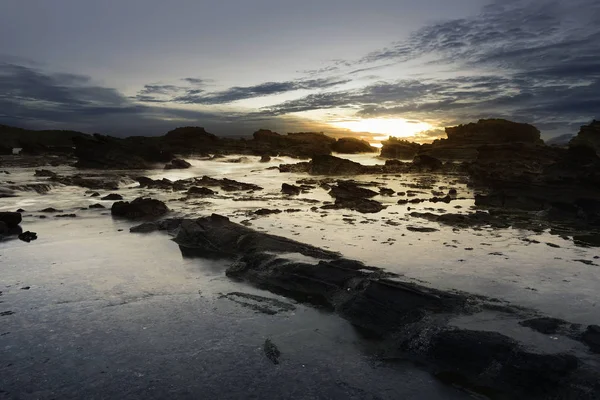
x=102, y=313
x=502, y=263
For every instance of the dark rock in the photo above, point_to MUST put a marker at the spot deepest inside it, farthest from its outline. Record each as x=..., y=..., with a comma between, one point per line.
x=196, y=191
x=290, y=189
x=178, y=163
x=11, y=219
x=350, y=190
x=350, y=145
x=361, y=205
x=4, y=229
x=421, y=229
x=95, y=194
x=592, y=338
x=330, y=165
x=139, y=208
x=295, y=168
x=146, y=227
x=271, y=351
x=588, y=136
x=228, y=185
x=266, y=211
x=544, y=325
x=28, y=236
x=424, y=161
x=20, y=210
x=386, y=192
x=399, y=148
x=216, y=234
x=112, y=196
x=66, y=216
x=44, y=172
x=265, y=159
x=97, y=205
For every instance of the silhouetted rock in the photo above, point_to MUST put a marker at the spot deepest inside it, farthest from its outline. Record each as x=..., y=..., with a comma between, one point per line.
x=350, y=190
x=178, y=164
x=350, y=145
x=139, y=208
x=330, y=165
x=588, y=136
x=399, y=148
x=28, y=236
x=424, y=161
x=592, y=338
x=265, y=159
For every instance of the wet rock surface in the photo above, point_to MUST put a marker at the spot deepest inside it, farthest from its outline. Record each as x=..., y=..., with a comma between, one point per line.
x=139, y=208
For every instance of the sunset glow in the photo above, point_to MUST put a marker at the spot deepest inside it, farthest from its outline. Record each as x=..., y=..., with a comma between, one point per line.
x=397, y=127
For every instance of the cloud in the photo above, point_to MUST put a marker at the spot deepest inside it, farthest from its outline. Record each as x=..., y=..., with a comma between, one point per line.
x=261, y=90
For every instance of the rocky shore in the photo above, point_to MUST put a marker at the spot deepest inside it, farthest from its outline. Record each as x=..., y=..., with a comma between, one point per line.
x=486, y=177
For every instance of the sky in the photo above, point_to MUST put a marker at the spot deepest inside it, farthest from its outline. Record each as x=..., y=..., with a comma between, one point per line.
x=400, y=67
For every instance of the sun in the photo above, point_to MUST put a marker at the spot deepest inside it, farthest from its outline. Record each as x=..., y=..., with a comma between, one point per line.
x=397, y=127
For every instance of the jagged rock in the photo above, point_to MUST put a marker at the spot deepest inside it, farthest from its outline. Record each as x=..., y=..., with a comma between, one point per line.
x=178, y=163
x=139, y=208
x=265, y=159
x=28, y=236
x=216, y=234
x=11, y=219
x=86, y=182
x=290, y=189
x=424, y=161
x=44, y=172
x=112, y=196
x=196, y=191
x=350, y=145
x=346, y=190
x=228, y=185
x=295, y=168
x=399, y=148
x=330, y=165
x=588, y=136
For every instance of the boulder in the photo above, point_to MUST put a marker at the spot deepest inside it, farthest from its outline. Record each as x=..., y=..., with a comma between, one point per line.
x=290, y=189
x=139, y=208
x=592, y=338
x=350, y=145
x=346, y=190
x=423, y=161
x=330, y=165
x=265, y=159
x=588, y=136
x=112, y=196
x=196, y=191
x=11, y=219
x=178, y=163
x=399, y=149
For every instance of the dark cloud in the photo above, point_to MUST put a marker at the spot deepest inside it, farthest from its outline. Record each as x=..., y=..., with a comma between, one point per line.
x=264, y=89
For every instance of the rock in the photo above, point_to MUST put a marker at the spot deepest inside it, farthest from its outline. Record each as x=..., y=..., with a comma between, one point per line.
x=592, y=338
x=399, y=148
x=265, y=159
x=4, y=230
x=66, y=216
x=266, y=211
x=11, y=219
x=361, y=205
x=28, y=236
x=424, y=161
x=50, y=210
x=387, y=192
x=139, y=208
x=216, y=234
x=178, y=163
x=588, y=136
x=350, y=190
x=295, y=168
x=330, y=165
x=112, y=196
x=196, y=191
x=421, y=229
x=44, y=172
x=228, y=185
x=271, y=351
x=544, y=325
x=146, y=227
x=95, y=194
x=290, y=189
x=97, y=205
x=351, y=145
